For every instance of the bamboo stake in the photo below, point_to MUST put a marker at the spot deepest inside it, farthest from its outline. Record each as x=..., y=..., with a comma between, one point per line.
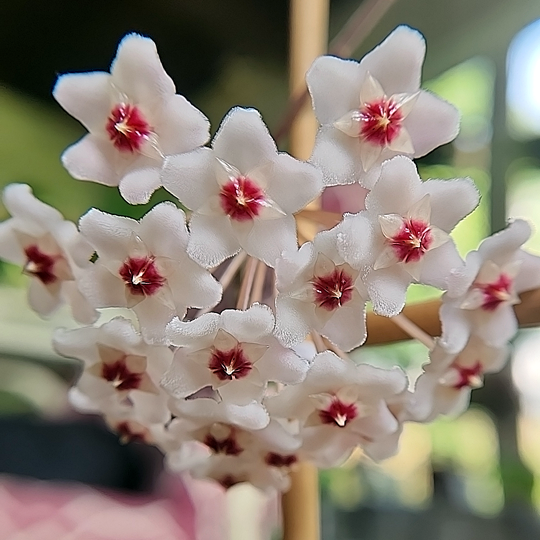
x=425, y=315
x=309, y=39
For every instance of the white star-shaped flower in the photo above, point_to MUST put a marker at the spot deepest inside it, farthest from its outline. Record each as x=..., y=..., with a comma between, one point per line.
x=340, y=405
x=235, y=353
x=318, y=290
x=121, y=372
x=242, y=192
x=402, y=236
x=373, y=110
x=446, y=384
x=481, y=296
x=134, y=119
x=144, y=266
x=50, y=250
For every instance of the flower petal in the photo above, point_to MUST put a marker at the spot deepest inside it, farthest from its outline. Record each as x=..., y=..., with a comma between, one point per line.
x=293, y=183
x=41, y=299
x=294, y=320
x=398, y=175
x=387, y=289
x=87, y=97
x=92, y=159
x=191, y=177
x=451, y=200
x=212, y=240
x=431, y=123
x=182, y=127
x=397, y=62
x=243, y=140
x=138, y=73
x=438, y=263
x=334, y=85
x=338, y=157
x=109, y=235
x=138, y=185
x=347, y=327
x=267, y=240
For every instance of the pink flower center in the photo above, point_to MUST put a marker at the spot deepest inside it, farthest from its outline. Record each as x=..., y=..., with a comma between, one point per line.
x=127, y=128
x=141, y=276
x=380, y=121
x=120, y=376
x=338, y=413
x=470, y=377
x=332, y=290
x=40, y=265
x=227, y=446
x=241, y=199
x=496, y=293
x=412, y=241
x=229, y=365
x=278, y=460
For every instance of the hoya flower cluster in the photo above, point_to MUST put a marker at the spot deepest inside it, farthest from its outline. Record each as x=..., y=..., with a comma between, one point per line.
x=245, y=394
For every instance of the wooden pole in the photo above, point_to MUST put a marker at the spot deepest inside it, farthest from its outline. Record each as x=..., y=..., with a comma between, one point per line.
x=425, y=315
x=308, y=39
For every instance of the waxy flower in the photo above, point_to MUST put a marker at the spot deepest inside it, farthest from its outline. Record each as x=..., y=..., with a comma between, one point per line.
x=402, y=236
x=449, y=378
x=144, y=266
x=341, y=405
x=242, y=192
x=134, y=119
x=374, y=110
x=232, y=441
x=481, y=296
x=50, y=250
x=121, y=372
x=234, y=352
x=318, y=290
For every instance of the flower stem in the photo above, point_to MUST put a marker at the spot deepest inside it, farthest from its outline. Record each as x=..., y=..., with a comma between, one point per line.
x=247, y=284
x=228, y=275
x=258, y=283
x=413, y=330
x=335, y=349
x=318, y=341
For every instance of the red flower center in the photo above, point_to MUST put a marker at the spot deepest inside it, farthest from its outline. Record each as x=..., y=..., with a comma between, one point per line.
x=127, y=128
x=278, y=460
x=128, y=433
x=120, y=376
x=338, y=413
x=332, y=290
x=412, y=241
x=468, y=376
x=380, y=121
x=40, y=265
x=227, y=446
x=229, y=365
x=229, y=481
x=241, y=199
x=496, y=293
x=141, y=276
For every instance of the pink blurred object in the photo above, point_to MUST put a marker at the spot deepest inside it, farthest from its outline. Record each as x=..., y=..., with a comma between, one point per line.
x=346, y=198
x=35, y=510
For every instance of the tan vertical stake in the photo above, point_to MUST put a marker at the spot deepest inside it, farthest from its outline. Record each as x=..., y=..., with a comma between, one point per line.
x=309, y=39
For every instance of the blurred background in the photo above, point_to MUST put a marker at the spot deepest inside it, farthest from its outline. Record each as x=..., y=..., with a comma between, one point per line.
x=474, y=477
